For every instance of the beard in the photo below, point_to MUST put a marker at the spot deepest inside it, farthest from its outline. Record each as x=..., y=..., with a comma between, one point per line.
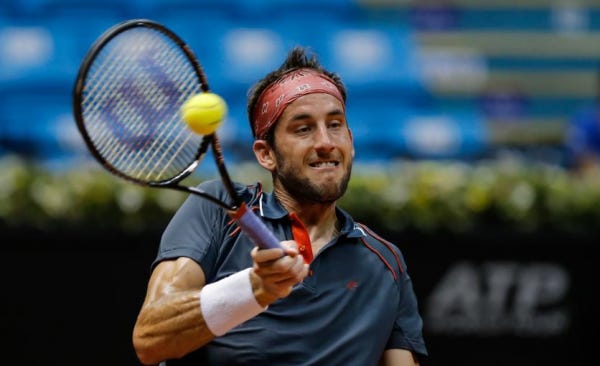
x=303, y=189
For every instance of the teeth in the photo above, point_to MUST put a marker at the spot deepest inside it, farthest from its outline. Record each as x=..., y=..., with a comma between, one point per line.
x=325, y=164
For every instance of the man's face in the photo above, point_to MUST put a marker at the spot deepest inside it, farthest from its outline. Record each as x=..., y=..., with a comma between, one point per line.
x=313, y=149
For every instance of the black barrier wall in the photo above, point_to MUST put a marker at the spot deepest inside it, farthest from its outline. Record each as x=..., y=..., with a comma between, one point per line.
x=489, y=299
x=504, y=298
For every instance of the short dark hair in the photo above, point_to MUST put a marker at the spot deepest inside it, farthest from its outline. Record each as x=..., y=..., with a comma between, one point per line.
x=298, y=58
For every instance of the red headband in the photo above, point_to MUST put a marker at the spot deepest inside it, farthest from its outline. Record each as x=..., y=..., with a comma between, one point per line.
x=277, y=96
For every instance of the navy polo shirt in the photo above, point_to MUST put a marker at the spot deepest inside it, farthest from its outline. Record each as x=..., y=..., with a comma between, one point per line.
x=357, y=301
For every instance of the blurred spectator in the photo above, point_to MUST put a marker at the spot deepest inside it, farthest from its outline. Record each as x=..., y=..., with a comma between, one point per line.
x=582, y=138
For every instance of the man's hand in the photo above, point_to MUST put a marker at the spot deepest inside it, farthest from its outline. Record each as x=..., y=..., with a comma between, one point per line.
x=274, y=275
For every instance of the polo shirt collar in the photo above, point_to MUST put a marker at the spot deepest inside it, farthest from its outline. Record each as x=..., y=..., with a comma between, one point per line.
x=271, y=208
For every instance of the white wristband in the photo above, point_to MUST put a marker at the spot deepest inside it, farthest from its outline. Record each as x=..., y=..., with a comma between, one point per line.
x=229, y=302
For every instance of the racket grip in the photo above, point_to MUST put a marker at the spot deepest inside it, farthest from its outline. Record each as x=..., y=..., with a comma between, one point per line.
x=255, y=229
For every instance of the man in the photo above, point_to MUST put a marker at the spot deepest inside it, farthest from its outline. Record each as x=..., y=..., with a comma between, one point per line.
x=582, y=141
x=337, y=295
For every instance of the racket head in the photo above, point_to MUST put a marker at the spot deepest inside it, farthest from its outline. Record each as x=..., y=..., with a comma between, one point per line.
x=126, y=101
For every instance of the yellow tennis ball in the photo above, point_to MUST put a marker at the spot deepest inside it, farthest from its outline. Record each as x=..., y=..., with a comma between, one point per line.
x=204, y=112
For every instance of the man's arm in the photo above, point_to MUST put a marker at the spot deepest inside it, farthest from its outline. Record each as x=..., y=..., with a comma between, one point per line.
x=398, y=357
x=171, y=324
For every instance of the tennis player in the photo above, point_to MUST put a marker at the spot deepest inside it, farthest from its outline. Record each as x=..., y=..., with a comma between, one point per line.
x=337, y=295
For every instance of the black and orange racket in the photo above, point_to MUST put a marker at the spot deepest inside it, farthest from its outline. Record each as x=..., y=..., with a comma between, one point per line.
x=126, y=101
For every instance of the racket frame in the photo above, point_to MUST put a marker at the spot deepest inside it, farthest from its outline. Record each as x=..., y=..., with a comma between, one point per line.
x=245, y=218
x=207, y=140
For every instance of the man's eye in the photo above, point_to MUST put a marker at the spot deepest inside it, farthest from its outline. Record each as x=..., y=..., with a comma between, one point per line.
x=335, y=124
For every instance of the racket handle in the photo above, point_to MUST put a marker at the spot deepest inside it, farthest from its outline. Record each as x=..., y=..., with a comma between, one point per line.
x=255, y=229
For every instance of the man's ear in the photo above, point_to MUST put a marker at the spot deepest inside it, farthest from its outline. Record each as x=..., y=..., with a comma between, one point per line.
x=264, y=154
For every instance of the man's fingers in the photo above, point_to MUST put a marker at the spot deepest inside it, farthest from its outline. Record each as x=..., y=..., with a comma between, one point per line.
x=281, y=266
x=291, y=247
x=266, y=255
x=295, y=275
x=278, y=271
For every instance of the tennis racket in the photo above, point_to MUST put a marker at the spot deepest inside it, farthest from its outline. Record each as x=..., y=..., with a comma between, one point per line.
x=126, y=103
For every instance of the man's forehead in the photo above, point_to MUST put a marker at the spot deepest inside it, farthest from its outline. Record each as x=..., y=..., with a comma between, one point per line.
x=316, y=103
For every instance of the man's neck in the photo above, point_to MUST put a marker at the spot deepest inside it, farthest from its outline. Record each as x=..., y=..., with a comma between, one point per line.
x=319, y=219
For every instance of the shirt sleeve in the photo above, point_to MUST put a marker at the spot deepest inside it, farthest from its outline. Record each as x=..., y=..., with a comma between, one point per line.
x=193, y=231
x=408, y=327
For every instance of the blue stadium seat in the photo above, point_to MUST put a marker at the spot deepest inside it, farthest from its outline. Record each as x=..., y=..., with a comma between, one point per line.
x=373, y=58
x=375, y=126
x=308, y=12
x=49, y=46
x=206, y=32
x=387, y=128
x=236, y=128
x=391, y=110
x=9, y=9
x=30, y=51
x=236, y=53
x=258, y=10
x=38, y=122
x=445, y=135
x=88, y=9
x=249, y=52
x=370, y=57
x=235, y=134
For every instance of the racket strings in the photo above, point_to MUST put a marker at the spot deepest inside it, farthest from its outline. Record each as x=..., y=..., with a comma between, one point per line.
x=132, y=96
x=150, y=90
x=174, y=159
x=110, y=98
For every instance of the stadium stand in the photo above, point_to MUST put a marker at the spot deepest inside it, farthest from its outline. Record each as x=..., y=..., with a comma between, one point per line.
x=448, y=79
